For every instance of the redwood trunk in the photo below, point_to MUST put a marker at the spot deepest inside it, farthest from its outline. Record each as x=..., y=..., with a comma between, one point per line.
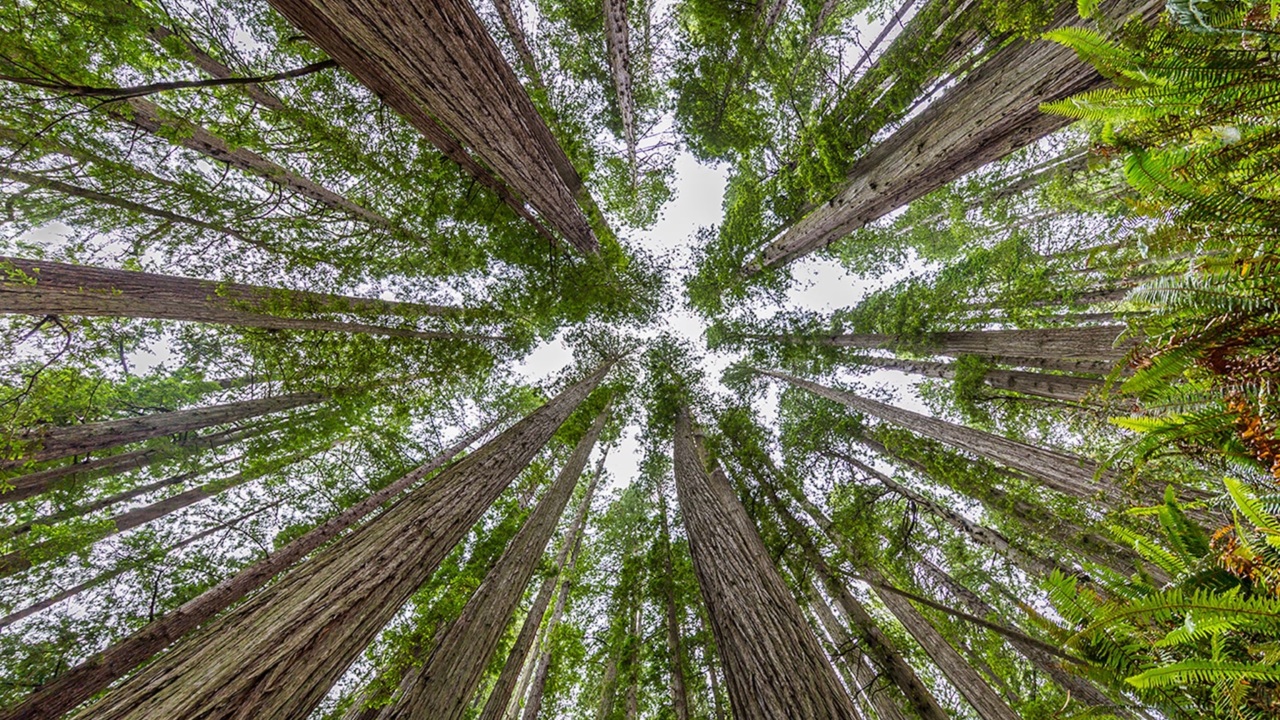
x=452, y=672
x=618, y=44
x=442, y=59
x=679, y=687
x=1094, y=343
x=500, y=698
x=773, y=663
x=990, y=113
x=845, y=652
x=1067, y=388
x=277, y=654
x=63, y=289
x=60, y=442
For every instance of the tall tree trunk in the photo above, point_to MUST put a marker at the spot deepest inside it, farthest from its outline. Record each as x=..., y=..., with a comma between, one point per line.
x=125, y=567
x=515, y=30
x=53, y=443
x=542, y=668
x=443, y=60
x=1080, y=689
x=500, y=698
x=988, y=114
x=1096, y=342
x=1067, y=388
x=15, y=562
x=215, y=69
x=457, y=662
x=633, y=665
x=77, y=511
x=878, y=646
x=675, y=648
x=277, y=654
x=608, y=684
x=1034, y=565
x=62, y=289
x=988, y=704
x=1065, y=473
x=30, y=484
x=618, y=44
x=773, y=663
x=861, y=677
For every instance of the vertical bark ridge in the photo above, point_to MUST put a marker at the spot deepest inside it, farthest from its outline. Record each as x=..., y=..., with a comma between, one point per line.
x=277, y=654
x=452, y=672
x=773, y=663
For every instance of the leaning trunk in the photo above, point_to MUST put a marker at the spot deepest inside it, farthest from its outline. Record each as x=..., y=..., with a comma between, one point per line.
x=1096, y=343
x=773, y=663
x=1067, y=388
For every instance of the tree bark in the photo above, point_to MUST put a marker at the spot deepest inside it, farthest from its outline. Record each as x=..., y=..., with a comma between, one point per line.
x=1067, y=388
x=1079, y=688
x=500, y=698
x=14, y=562
x=861, y=677
x=277, y=654
x=618, y=45
x=30, y=484
x=473, y=95
x=452, y=672
x=53, y=443
x=606, y=691
x=1065, y=473
x=773, y=663
x=1097, y=343
x=675, y=648
x=63, y=289
x=542, y=668
x=990, y=113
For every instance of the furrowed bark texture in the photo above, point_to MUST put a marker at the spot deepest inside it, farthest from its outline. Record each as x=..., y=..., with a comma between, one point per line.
x=276, y=655
x=496, y=705
x=60, y=442
x=449, y=678
x=773, y=663
x=990, y=113
x=439, y=58
x=618, y=44
x=1065, y=473
x=123, y=568
x=1097, y=343
x=1067, y=388
x=63, y=289
x=1081, y=689
x=25, y=486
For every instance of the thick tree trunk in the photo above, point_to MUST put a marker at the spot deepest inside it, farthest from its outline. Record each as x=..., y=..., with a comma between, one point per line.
x=1065, y=473
x=277, y=654
x=1080, y=689
x=457, y=662
x=53, y=443
x=15, y=562
x=990, y=113
x=62, y=289
x=30, y=484
x=1098, y=343
x=1067, y=388
x=517, y=659
x=773, y=663
x=123, y=568
x=675, y=648
x=443, y=60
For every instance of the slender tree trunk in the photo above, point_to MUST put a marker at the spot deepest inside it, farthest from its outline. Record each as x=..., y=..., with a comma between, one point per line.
x=517, y=659
x=474, y=94
x=515, y=30
x=15, y=562
x=618, y=44
x=608, y=685
x=1097, y=342
x=542, y=668
x=54, y=443
x=633, y=665
x=457, y=662
x=1080, y=689
x=773, y=663
x=1067, y=388
x=30, y=484
x=277, y=654
x=846, y=652
x=215, y=69
x=62, y=289
x=1065, y=473
x=988, y=114
x=123, y=568
x=675, y=648
x=78, y=511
